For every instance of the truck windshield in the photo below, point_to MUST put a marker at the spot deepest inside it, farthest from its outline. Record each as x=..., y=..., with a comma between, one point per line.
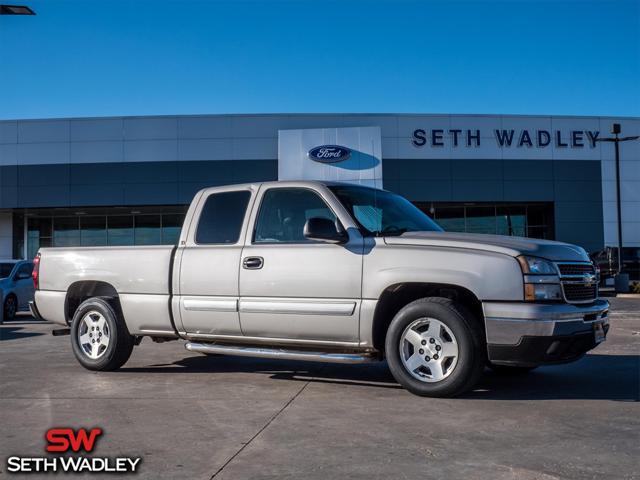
x=5, y=269
x=383, y=213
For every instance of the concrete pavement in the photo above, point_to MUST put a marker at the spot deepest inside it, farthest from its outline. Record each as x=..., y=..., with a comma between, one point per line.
x=191, y=416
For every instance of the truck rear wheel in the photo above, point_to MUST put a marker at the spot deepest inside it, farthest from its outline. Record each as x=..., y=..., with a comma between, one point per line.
x=99, y=336
x=434, y=348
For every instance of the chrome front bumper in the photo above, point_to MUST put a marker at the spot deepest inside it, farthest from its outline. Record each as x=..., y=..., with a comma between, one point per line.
x=536, y=333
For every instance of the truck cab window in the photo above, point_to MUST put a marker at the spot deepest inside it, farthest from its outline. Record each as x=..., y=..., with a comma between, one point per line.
x=221, y=218
x=283, y=213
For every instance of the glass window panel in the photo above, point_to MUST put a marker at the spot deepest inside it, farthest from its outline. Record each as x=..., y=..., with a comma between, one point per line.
x=93, y=231
x=481, y=220
x=171, y=226
x=66, y=232
x=511, y=220
x=39, y=227
x=35, y=243
x=538, y=215
x=221, y=218
x=284, y=212
x=147, y=230
x=450, y=219
x=120, y=230
x=538, y=232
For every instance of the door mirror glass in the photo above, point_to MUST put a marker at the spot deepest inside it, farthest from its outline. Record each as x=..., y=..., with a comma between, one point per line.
x=324, y=230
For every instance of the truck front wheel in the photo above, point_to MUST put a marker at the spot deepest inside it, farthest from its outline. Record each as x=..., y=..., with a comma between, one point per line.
x=434, y=348
x=99, y=336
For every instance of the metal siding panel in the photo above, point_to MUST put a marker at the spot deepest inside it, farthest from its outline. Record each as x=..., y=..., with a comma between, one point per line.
x=150, y=172
x=478, y=190
x=96, y=195
x=30, y=131
x=201, y=171
x=9, y=132
x=93, y=173
x=530, y=170
x=37, y=175
x=43, y=153
x=151, y=193
x=43, y=196
x=528, y=191
x=8, y=197
x=9, y=154
x=150, y=150
x=9, y=176
x=96, y=129
x=204, y=127
x=421, y=190
x=205, y=149
x=150, y=128
x=96, y=152
x=477, y=170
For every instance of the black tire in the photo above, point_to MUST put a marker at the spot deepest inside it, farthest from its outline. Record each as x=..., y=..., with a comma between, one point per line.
x=120, y=344
x=9, y=308
x=470, y=342
x=510, y=369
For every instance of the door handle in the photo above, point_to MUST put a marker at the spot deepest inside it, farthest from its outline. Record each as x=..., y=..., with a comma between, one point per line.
x=253, y=263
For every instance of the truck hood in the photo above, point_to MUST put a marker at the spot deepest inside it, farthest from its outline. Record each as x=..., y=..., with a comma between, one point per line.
x=514, y=246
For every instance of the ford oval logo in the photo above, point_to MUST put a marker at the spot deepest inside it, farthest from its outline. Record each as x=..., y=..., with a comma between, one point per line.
x=329, y=154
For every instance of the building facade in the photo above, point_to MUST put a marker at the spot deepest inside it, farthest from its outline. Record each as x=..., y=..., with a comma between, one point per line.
x=128, y=180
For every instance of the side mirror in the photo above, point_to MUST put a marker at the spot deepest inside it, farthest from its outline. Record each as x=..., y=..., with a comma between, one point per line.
x=324, y=230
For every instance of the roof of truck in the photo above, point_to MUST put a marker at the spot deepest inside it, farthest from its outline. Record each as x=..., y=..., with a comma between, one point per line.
x=302, y=183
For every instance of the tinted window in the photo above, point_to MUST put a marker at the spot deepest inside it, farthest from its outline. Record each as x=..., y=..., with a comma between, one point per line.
x=5, y=269
x=221, y=217
x=25, y=269
x=283, y=213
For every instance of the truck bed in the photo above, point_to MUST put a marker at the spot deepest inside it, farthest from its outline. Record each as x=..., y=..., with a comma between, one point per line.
x=140, y=276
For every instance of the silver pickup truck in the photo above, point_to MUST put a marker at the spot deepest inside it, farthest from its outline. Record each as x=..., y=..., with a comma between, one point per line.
x=329, y=272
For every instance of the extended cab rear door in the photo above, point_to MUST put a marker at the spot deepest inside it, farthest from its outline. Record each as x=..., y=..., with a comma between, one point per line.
x=208, y=263
x=295, y=289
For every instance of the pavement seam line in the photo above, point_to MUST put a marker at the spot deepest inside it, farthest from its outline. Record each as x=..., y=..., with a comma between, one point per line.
x=269, y=422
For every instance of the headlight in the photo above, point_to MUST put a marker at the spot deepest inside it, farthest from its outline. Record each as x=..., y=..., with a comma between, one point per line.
x=541, y=280
x=537, y=266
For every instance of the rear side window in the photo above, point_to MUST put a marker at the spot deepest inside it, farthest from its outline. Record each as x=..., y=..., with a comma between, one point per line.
x=221, y=218
x=25, y=270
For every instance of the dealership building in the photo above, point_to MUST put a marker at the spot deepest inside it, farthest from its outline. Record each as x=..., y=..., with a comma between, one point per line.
x=128, y=180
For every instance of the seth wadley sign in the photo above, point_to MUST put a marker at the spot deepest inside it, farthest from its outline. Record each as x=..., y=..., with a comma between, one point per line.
x=506, y=138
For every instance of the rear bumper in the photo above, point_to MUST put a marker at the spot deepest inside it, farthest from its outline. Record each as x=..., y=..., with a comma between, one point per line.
x=34, y=310
x=530, y=334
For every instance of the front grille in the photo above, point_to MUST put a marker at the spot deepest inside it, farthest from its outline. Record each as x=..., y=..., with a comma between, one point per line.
x=579, y=282
x=579, y=292
x=575, y=269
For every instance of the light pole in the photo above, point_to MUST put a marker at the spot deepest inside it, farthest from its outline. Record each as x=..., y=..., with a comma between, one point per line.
x=622, y=281
x=15, y=10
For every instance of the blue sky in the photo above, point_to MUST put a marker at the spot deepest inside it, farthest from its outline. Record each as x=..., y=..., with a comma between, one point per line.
x=115, y=57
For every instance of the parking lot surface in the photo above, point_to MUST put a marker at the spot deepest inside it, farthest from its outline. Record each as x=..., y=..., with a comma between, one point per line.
x=198, y=417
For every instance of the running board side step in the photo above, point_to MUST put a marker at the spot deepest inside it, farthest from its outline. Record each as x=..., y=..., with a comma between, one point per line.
x=280, y=353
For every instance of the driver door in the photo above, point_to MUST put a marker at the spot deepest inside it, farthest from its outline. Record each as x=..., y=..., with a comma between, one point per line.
x=293, y=288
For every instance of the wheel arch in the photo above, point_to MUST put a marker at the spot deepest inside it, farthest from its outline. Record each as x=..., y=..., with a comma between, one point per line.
x=396, y=296
x=83, y=290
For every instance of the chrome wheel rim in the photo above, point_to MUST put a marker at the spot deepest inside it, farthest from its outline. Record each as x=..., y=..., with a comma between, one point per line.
x=93, y=335
x=428, y=350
